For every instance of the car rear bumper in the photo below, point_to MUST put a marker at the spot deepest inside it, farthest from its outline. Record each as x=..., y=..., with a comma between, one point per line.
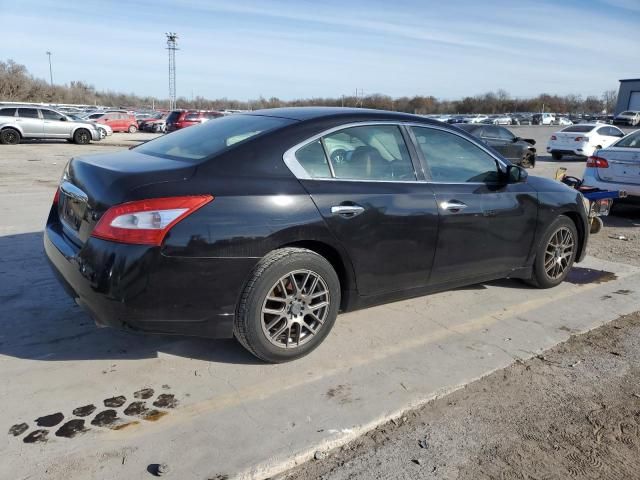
x=137, y=287
x=580, y=150
x=592, y=179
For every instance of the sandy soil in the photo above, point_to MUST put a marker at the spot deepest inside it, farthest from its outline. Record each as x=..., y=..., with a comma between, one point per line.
x=573, y=412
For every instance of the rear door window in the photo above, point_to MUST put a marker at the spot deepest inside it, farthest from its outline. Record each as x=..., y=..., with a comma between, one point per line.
x=372, y=152
x=28, y=113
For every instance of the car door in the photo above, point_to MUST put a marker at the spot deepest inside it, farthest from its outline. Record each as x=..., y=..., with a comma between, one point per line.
x=30, y=122
x=56, y=125
x=486, y=226
x=490, y=135
x=363, y=180
x=510, y=149
x=609, y=135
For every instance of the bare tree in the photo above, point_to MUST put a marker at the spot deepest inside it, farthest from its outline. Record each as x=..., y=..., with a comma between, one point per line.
x=610, y=99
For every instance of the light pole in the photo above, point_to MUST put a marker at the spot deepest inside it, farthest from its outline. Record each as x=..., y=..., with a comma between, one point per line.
x=50, y=70
x=172, y=39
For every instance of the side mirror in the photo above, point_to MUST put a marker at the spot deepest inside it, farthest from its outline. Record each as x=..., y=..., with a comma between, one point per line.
x=516, y=139
x=63, y=119
x=516, y=174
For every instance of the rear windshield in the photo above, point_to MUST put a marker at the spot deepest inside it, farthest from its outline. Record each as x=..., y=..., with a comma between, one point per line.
x=196, y=143
x=630, y=141
x=579, y=128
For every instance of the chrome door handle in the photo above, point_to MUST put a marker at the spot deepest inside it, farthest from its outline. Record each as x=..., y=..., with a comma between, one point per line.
x=347, y=210
x=453, y=206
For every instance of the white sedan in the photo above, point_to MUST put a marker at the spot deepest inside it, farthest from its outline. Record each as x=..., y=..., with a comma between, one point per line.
x=502, y=120
x=582, y=139
x=616, y=167
x=475, y=118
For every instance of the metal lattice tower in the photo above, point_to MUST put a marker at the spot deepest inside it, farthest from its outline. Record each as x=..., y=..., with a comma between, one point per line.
x=172, y=39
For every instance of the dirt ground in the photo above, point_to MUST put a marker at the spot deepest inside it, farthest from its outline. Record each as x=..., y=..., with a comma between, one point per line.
x=573, y=412
x=623, y=221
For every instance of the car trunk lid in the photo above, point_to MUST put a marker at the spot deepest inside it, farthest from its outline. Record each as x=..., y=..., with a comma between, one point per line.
x=624, y=165
x=93, y=184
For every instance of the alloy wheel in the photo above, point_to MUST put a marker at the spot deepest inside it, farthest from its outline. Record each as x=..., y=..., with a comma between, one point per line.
x=559, y=252
x=295, y=309
x=10, y=136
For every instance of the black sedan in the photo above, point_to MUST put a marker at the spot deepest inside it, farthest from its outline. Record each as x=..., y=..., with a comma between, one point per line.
x=518, y=151
x=265, y=225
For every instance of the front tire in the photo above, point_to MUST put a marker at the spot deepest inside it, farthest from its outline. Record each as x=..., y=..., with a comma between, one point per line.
x=82, y=136
x=10, y=136
x=132, y=129
x=556, y=156
x=528, y=161
x=103, y=133
x=288, y=306
x=555, y=253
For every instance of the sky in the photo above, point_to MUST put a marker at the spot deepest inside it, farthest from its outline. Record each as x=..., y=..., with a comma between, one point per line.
x=243, y=49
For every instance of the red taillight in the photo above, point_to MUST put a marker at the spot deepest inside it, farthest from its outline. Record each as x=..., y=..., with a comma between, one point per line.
x=553, y=137
x=146, y=222
x=597, y=162
x=581, y=139
x=56, y=198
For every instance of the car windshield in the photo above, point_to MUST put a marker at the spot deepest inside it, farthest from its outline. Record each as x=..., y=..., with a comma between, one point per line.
x=630, y=141
x=579, y=128
x=630, y=114
x=196, y=143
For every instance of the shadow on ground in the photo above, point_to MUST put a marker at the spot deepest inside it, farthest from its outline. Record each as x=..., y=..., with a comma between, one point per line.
x=39, y=321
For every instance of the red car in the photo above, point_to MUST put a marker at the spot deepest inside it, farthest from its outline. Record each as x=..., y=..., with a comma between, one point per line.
x=178, y=119
x=119, y=121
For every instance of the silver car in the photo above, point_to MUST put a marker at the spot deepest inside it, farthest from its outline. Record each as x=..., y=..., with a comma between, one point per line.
x=616, y=167
x=18, y=122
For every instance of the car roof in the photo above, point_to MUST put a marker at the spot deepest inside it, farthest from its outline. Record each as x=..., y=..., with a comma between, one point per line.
x=311, y=113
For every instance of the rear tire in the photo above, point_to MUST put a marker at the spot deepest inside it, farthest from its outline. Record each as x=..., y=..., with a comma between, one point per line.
x=555, y=253
x=556, y=156
x=82, y=136
x=10, y=136
x=132, y=129
x=288, y=306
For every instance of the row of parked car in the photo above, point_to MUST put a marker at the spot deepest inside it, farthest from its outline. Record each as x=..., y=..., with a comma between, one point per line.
x=630, y=118
x=31, y=121
x=162, y=122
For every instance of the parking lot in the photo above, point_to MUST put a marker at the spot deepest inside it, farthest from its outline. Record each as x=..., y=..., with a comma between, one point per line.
x=248, y=419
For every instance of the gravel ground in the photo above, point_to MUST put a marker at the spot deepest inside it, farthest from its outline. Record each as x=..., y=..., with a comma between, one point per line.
x=619, y=240
x=573, y=412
